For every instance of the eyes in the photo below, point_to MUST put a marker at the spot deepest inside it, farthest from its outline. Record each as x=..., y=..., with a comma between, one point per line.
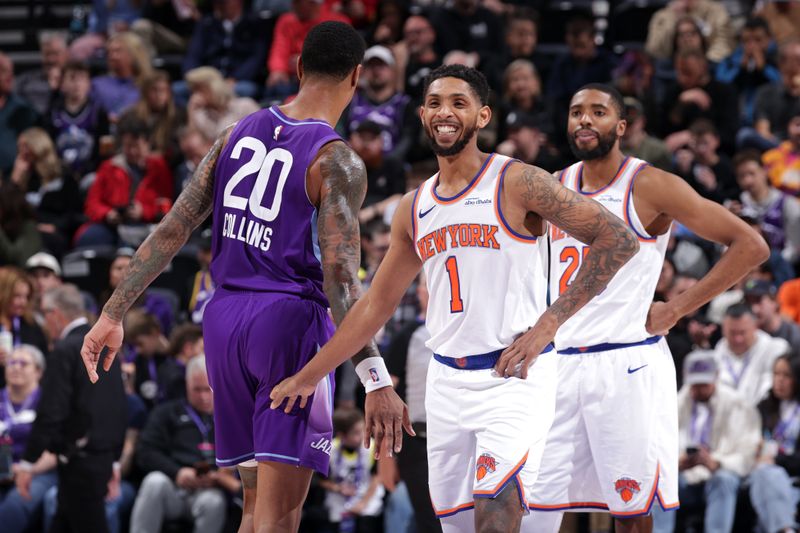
x=576, y=113
x=458, y=103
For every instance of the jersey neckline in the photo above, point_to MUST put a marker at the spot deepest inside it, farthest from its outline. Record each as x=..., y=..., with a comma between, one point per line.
x=465, y=190
x=295, y=122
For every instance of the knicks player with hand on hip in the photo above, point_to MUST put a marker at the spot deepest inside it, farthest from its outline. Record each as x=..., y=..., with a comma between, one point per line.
x=285, y=192
x=476, y=229
x=614, y=441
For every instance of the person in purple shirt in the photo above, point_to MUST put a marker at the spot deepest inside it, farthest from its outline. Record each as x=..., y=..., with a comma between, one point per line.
x=285, y=191
x=18, y=402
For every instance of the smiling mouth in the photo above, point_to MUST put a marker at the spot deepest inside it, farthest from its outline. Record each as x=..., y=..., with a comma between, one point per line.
x=585, y=135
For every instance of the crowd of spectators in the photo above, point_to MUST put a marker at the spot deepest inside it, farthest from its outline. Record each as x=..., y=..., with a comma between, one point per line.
x=99, y=139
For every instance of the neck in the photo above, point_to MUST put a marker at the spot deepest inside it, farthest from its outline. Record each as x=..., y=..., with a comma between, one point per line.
x=123, y=73
x=772, y=324
x=315, y=101
x=18, y=393
x=74, y=103
x=598, y=173
x=759, y=195
x=459, y=168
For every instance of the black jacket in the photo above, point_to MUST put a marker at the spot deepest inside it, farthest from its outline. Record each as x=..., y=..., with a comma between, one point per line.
x=72, y=409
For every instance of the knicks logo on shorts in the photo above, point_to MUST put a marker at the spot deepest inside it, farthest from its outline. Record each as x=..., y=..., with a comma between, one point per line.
x=486, y=465
x=627, y=487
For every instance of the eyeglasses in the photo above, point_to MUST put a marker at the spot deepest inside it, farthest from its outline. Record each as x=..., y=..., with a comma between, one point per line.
x=18, y=362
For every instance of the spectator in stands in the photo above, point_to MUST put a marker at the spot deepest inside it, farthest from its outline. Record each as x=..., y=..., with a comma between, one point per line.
x=751, y=65
x=128, y=64
x=407, y=361
x=107, y=18
x=150, y=346
x=20, y=398
x=202, y=285
x=521, y=37
x=379, y=101
x=157, y=109
x=386, y=181
x=16, y=115
x=775, y=101
x=213, y=106
x=176, y=451
x=45, y=271
x=522, y=94
x=185, y=342
x=708, y=172
x=19, y=236
x=745, y=354
x=637, y=142
x=467, y=25
x=762, y=297
x=78, y=123
x=53, y=195
x=134, y=187
x=38, y=86
x=231, y=40
x=777, y=213
x=166, y=25
x=194, y=146
x=82, y=423
x=719, y=432
x=287, y=42
x=783, y=162
x=354, y=498
x=16, y=314
x=150, y=302
x=421, y=56
x=783, y=17
x=528, y=141
x=772, y=492
x=696, y=94
x=713, y=17
x=634, y=77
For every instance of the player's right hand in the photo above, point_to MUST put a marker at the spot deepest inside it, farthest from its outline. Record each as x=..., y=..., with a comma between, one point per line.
x=517, y=358
x=105, y=333
x=385, y=416
x=291, y=389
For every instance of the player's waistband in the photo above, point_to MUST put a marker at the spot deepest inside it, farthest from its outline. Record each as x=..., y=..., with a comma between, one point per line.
x=606, y=346
x=482, y=361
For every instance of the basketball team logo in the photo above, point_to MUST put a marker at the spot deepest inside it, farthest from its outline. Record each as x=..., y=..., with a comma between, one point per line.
x=626, y=488
x=486, y=465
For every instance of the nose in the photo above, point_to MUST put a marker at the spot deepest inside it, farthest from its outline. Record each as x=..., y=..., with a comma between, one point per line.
x=444, y=111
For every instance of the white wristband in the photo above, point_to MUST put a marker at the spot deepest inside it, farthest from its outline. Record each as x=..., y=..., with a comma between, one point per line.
x=373, y=374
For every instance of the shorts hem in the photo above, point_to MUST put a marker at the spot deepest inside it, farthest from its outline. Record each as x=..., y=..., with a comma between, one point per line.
x=264, y=457
x=235, y=460
x=454, y=510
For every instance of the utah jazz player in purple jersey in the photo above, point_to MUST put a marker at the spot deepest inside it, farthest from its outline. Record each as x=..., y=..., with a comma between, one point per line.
x=285, y=192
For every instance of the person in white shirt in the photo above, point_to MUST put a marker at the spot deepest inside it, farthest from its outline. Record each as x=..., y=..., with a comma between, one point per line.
x=719, y=433
x=745, y=354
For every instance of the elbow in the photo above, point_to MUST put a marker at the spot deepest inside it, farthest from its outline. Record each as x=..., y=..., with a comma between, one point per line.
x=758, y=248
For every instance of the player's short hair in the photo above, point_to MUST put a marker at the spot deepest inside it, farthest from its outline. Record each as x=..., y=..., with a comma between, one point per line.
x=345, y=419
x=476, y=80
x=755, y=23
x=738, y=311
x=183, y=334
x=332, y=49
x=130, y=124
x=617, y=99
x=140, y=323
x=74, y=65
x=745, y=156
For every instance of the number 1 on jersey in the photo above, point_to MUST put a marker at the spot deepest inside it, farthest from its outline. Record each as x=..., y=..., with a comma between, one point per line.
x=456, y=304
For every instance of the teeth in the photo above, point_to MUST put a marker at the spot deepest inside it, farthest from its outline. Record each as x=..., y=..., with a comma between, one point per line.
x=445, y=129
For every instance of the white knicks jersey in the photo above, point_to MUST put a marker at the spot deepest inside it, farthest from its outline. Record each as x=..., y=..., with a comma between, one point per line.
x=618, y=314
x=487, y=283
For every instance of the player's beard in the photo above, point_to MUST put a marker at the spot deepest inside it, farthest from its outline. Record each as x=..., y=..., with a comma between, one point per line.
x=604, y=145
x=456, y=147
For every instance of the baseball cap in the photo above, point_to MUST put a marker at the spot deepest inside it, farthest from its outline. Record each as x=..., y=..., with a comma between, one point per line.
x=700, y=367
x=369, y=126
x=125, y=251
x=43, y=260
x=519, y=119
x=759, y=287
x=379, y=52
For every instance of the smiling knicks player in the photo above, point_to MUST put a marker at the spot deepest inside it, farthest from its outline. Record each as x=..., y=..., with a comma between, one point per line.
x=476, y=229
x=614, y=441
x=285, y=193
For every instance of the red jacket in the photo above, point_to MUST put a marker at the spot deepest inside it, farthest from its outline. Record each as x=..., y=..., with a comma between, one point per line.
x=288, y=37
x=111, y=189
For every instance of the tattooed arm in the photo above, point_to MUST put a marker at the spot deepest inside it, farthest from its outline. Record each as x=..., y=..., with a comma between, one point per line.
x=343, y=186
x=155, y=253
x=611, y=245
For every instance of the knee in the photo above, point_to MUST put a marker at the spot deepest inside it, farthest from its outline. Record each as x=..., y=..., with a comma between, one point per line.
x=156, y=483
x=210, y=501
x=724, y=480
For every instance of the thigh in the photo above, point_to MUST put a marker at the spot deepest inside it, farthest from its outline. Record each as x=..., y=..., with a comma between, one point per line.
x=501, y=514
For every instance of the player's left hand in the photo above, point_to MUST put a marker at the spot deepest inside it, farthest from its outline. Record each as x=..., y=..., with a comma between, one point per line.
x=291, y=389
x=661, y=318
x=517, y=358
x=385, y=415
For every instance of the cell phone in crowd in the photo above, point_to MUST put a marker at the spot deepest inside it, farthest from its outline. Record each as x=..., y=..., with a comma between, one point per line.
x=692, y=450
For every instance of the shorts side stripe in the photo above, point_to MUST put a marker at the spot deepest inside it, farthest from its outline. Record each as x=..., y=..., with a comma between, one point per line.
x=279, y=456
x=567, y=506
x=493, y=493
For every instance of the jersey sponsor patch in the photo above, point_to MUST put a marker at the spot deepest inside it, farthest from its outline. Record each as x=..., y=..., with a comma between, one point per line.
x=626, y=488
x=486, y=464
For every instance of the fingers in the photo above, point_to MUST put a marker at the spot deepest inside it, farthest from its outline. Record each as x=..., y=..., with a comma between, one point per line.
x=90, y=357
x=508, y=360
x=397, y=433
x=290, y=404
x=378, y=435
x=109, y=359
x=407, y=422
x=303, y=400
x=367, y=431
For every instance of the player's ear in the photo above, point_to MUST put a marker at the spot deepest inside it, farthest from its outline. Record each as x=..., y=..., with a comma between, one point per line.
x=300, y=68
x=355, y=76
x=484, y=116
x=622, y=125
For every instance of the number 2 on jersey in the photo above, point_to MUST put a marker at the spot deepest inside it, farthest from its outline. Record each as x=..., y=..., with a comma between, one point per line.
x=456, y=304
x=574, y=258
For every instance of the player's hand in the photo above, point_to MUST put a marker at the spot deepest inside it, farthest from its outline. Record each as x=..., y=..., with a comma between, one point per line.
x=105, y=333
x=660, y=318
x=291, y=389
x=517, y=358
x=385, y=415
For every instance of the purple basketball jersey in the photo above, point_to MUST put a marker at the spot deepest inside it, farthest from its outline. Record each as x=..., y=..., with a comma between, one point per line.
x=265, y=228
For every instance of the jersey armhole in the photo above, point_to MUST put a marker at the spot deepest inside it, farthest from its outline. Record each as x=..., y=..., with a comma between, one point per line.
x=498, y=208
x=414, y=203
x=315, y=149
x=642, y=235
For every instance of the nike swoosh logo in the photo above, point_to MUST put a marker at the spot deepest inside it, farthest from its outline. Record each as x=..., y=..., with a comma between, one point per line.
x=631, y=371
x=422, y=214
